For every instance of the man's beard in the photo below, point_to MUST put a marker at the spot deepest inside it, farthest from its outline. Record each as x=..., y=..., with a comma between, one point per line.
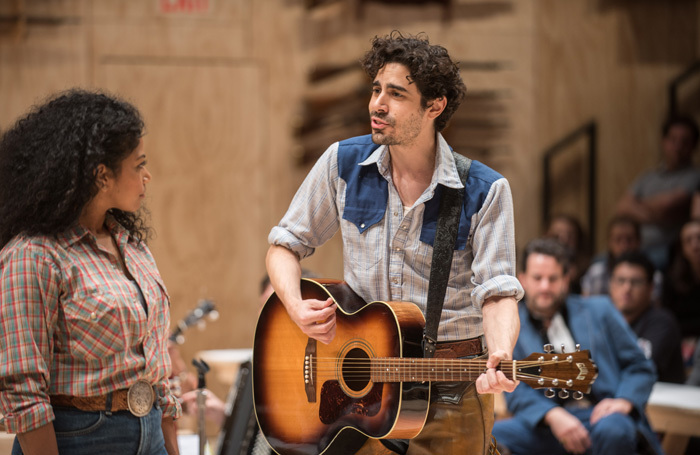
x=383, y=139
x=380, y=137
x=540, y=312
x=405, y=134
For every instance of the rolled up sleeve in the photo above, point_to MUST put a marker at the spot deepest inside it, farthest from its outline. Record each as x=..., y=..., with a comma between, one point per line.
x=28, y=286
x=167, y=401
x=494, y=264
x=312, y=217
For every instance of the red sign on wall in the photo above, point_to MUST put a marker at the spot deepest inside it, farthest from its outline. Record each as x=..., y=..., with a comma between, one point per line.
x=184, y=6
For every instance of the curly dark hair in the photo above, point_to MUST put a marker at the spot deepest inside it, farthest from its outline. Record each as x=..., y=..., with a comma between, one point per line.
x=430, y=67
x=547, y=246
x=49, y=160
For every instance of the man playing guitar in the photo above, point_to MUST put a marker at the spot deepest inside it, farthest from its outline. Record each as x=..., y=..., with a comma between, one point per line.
x=383, y=192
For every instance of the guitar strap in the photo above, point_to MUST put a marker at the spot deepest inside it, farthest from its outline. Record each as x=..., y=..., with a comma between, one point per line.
x=441, y=263
x=443, y=249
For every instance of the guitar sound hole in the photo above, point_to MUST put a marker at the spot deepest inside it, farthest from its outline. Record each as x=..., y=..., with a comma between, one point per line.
x=356, y=369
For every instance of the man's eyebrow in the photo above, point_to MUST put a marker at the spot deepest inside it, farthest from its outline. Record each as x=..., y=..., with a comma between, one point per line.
x=391, y=86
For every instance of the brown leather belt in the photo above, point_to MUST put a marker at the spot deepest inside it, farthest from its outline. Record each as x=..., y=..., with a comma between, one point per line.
x=462, y=348
x=137, y=399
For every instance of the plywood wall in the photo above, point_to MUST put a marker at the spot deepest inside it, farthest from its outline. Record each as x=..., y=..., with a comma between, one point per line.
x=223, y=88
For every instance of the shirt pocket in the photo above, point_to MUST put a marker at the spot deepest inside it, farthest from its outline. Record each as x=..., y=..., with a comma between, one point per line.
x=95, y=327
x=366, y=250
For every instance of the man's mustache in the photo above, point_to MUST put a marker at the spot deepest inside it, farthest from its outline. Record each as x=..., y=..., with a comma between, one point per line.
x=383, y=116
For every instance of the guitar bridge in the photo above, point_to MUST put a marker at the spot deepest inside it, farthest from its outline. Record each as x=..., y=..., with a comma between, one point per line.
x=310, y=370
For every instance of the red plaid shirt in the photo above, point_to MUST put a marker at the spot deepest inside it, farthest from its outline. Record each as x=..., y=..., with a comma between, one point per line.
x=72, y=323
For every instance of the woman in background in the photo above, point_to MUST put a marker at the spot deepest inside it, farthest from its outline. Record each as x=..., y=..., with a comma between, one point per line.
x=84, y=314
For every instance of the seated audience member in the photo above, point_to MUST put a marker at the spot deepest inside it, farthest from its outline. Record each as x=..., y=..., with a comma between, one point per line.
x=623, y=236
x=660, y=199
x=568, y=231
x=611, y=419
x=682, y=281
x=658, y=332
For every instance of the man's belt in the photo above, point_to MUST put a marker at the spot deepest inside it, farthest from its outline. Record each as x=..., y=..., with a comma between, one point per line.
x=137, y=399
x=462, y=348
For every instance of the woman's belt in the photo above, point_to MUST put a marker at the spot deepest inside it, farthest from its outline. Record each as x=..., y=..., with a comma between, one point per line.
x=462, y=348
x=137, y=399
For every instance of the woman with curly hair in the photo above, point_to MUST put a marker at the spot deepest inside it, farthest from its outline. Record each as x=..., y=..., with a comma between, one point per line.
x=84, y=314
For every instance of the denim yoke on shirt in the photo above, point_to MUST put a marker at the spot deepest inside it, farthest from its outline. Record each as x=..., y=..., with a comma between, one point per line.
x=386, y=253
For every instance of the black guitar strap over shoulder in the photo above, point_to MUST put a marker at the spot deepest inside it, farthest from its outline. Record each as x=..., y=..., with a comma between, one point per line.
x=441, y=263
x=443, y=248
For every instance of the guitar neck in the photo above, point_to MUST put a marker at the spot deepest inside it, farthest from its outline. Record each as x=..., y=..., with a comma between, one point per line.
x=398, y=369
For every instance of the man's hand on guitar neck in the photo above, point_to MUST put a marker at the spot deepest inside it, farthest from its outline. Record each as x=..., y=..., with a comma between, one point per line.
x=494, y=381
x=501, y=328
x=316, y=318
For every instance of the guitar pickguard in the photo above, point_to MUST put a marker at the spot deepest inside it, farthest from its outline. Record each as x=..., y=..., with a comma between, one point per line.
x=336, y=404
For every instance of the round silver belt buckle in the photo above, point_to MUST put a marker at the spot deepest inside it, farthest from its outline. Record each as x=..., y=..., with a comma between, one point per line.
x=140, y=398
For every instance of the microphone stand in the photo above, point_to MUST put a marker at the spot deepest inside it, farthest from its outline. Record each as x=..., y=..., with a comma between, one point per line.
x=202, y=369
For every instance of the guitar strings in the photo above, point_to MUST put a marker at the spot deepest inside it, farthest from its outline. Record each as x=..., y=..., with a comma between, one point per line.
x=389, y=369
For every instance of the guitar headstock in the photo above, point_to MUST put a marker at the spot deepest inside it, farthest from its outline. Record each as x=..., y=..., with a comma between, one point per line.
x=205, y=308
x=566, y=370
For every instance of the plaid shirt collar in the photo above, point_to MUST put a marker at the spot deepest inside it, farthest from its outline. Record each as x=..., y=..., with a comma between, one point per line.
x=77, y=232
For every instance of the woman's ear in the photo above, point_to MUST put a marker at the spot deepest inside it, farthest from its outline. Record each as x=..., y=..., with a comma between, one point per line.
x=102, y=177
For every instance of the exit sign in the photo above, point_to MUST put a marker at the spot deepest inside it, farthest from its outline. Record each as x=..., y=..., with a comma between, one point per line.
x=184, y=6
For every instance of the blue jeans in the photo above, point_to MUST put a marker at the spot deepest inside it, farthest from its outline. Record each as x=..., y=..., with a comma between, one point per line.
x=121, y=433
x=614, y=434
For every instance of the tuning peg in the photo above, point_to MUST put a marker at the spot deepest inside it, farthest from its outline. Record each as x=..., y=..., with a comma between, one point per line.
x=548, y=348
x=563, y=349
x=563, y=394
x=578, y=395
x=578, y=348
x=201, y=324
x=549, y=393
x=213, y=315
x=180, y=339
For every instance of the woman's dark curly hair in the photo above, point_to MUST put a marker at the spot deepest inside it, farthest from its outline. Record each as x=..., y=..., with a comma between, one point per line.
x=49, y=160
x=430, y=67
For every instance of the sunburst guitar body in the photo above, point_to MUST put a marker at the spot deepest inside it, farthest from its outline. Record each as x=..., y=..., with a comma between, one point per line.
x=371, y=378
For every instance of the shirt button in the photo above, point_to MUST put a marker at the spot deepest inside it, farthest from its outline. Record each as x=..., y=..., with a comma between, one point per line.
x=93, y=316
x=396, y=213
x=362, y=225
x=397, y=249
x=396, y=281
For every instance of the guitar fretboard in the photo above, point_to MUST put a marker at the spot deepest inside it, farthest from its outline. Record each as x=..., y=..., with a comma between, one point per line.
x=393, y=369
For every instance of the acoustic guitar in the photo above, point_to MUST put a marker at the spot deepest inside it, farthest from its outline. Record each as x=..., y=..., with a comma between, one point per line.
x=371, y=377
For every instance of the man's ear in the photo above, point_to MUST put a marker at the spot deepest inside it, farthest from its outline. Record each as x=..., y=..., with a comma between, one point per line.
x=436, y=107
